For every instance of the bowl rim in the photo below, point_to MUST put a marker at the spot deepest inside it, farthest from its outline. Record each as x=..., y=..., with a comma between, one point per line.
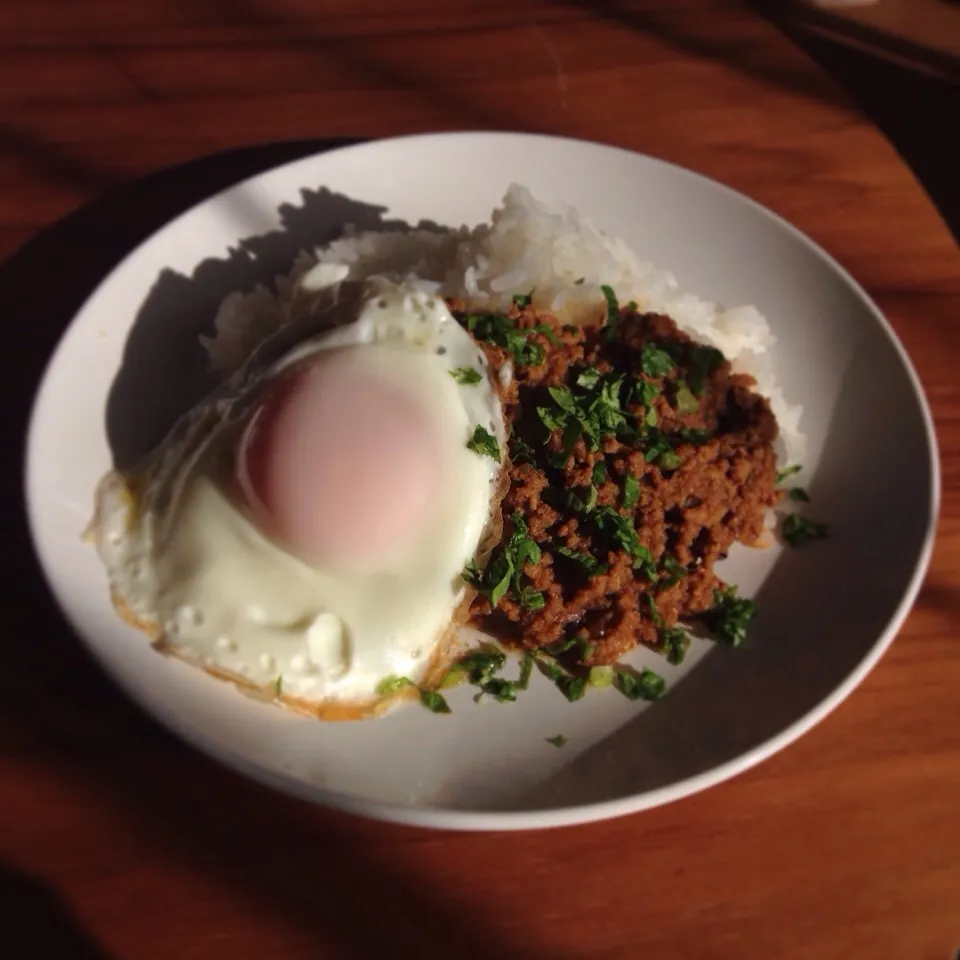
x=466, y=819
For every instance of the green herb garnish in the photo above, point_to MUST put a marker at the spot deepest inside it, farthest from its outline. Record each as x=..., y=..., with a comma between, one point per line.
x=703, y=361
x=656, y=362
x=505, y=568
x=645, y=392
x=601, y=676
x=548, y=332
x=520, y=450
x=589, y=564
x=497, y=329
x=670, y=460
x=526, y=669
x=613, y=311
x=599, y=474
x=798, y=530
x=531, y=599
x=787, y=472
x=588, y=378
x=484, y=443
x=558, y=741
x=730, y=616
x=621, y=530
x=693, y=436
x=631, y=491
x=582, y=504
x=686, y=402
x=656, y=445
x=392, y=684
x=573, y=688
x=278, y=686
x=593, y=414
x=675, y=641
x=645, y=685
x=466, y=375
x=654, y=610
x=434, y=701
x=675, y=571
x=798, y=494
x=522, y=300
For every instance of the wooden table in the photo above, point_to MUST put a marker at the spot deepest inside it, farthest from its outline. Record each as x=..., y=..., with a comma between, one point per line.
x=116, y=840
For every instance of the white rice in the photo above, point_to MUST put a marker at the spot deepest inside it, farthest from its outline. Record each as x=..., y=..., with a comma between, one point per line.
x=528, y=245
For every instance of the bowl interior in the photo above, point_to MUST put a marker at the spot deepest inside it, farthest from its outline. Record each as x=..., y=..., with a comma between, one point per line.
x=130, y=363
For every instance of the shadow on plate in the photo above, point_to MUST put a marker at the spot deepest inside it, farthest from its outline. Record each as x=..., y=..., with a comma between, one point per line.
x=316, y=871
x=164, y=371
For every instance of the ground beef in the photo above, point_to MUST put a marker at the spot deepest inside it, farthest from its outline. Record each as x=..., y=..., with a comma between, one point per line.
x=712, y=485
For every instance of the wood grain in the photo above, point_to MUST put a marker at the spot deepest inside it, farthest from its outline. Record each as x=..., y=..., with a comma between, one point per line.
x=118, y=841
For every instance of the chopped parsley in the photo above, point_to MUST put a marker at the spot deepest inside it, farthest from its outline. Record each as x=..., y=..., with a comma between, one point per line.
x=787, y=472
x=278, y=685
x=526, y=669
x=499, y=330
x=522, y=300
x=621, y=530
x=654, y=610
x=520, y=450
x=590, y=565
x=561, y=646
x=433, y=701
x=730, y=616
x=613, y=311
x=656, y=446
x=645, y=392
x=656, y=362
x=466, y=375
x=429, y=698
x=573, y=688
x=798, y=530
x=693, y=436
x=558, y=741
x=582, y=504
x=798, y=495
x=588, y=378
x=531, y=599
x=645, y=685
x=702, y=362
x=675, y=641
x=670, y=460
x=674, y=569
x=593, y=414
x=505, y=568
x=599, y=473
x=484, y=443
x=481, y=667
x=601, y=676
x=392, y=684
x=631, y=491
x=548, y=332
x=686, y=402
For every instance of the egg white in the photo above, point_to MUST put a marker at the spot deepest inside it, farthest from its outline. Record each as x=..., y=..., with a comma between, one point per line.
x=189, y=566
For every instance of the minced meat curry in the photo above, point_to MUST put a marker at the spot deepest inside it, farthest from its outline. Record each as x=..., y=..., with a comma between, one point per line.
x=637, y=458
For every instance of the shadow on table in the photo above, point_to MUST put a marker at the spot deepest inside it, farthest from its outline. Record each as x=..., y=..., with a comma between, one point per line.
x=37, y=923
x=274, y=854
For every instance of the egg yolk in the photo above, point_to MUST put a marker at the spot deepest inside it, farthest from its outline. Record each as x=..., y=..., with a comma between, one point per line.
x=339, y=466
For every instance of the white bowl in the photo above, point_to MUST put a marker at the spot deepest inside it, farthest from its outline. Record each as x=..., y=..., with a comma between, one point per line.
x=130, y=362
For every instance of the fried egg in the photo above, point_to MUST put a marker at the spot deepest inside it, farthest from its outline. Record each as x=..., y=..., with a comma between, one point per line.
x=302, y=531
